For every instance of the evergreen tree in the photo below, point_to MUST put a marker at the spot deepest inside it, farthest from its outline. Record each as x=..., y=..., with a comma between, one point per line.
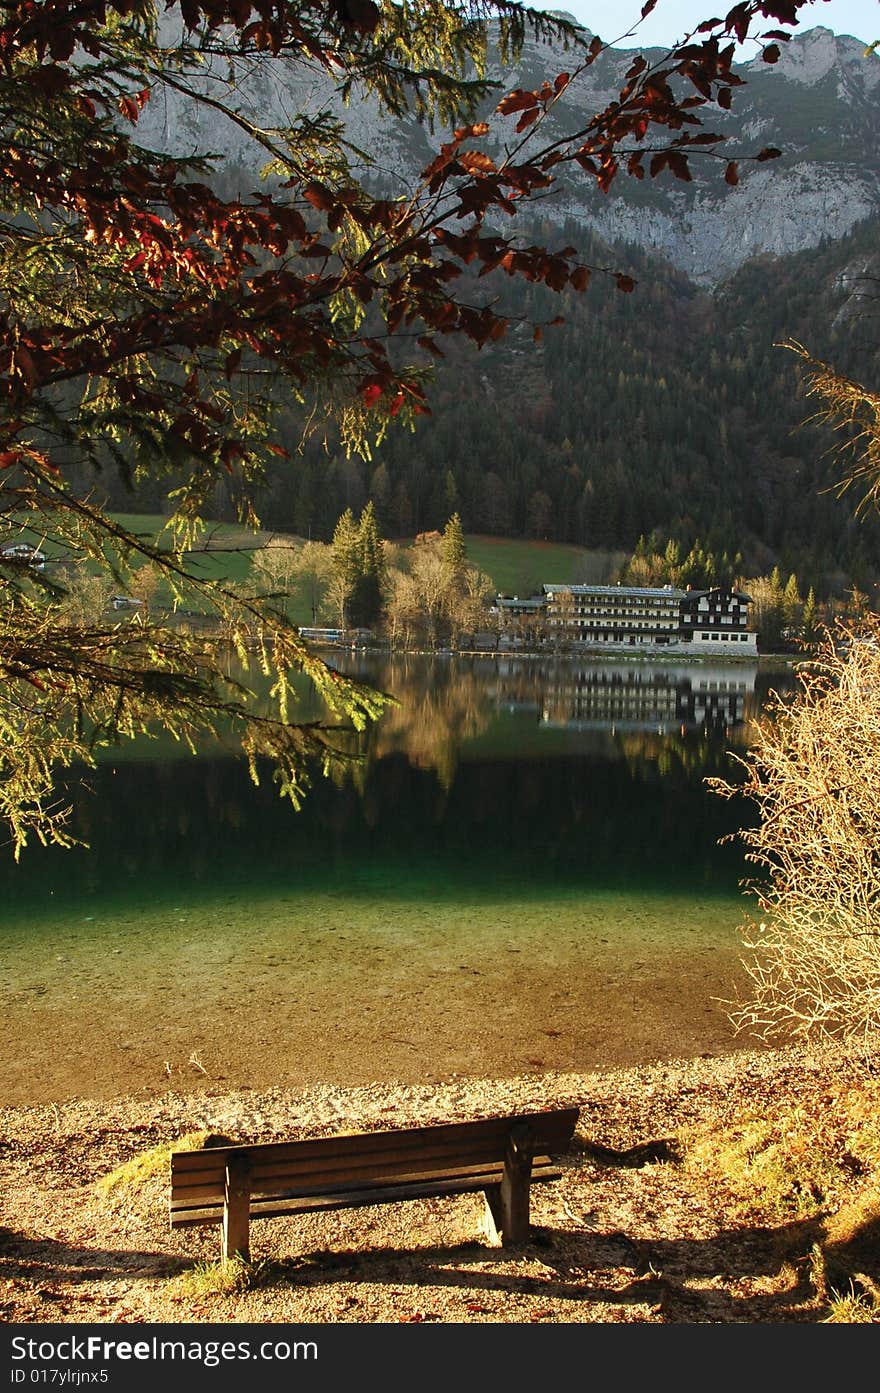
x=810, y=621
x=768, y=611
x=672, y=559
x=369, y=589
x=452, y=547
x=345, y=551
x=792, y=606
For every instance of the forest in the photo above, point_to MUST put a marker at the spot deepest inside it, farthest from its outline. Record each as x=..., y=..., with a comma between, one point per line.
x=673, y=411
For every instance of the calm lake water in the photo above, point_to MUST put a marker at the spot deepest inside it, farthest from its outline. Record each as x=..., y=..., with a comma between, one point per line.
x=522, y=874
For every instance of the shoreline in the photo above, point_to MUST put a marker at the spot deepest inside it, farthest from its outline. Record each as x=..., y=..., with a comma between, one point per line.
x=654, y=1243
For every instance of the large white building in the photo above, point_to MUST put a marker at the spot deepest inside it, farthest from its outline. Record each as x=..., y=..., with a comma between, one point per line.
x=712, y=621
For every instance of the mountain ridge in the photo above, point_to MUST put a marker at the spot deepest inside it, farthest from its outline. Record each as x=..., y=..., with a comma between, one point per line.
x=820, y=104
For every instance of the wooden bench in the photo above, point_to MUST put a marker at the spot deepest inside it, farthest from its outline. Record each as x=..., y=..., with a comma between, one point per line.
x=501, y=1156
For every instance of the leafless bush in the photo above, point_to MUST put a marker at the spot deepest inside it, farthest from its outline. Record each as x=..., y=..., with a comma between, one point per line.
x=813, y=955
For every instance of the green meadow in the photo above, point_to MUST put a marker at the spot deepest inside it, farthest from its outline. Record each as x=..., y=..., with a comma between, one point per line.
x=515, y=567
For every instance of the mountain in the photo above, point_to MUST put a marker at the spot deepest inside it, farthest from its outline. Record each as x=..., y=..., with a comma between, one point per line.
x=820, y=104
x=672, y=410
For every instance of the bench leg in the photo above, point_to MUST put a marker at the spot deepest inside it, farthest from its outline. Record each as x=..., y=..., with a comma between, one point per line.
x=236, y=1211
x=492, y=1216
x=513, y=1198
x=507, y=1205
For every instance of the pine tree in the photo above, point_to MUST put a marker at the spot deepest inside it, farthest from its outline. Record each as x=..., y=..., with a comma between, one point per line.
x=810, y=621
x=792, y=606
x=369, y=590
x=345, y=550
x=672, y=562
x=452, y=547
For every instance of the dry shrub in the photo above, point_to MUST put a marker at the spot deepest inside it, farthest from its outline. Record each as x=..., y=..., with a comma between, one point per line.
x=813, y=956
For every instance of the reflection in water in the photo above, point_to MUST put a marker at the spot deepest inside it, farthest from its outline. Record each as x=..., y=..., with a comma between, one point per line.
x=488, y=771
x=445, y=705
x=665, y=700
x=522, y=842
x=434, y=717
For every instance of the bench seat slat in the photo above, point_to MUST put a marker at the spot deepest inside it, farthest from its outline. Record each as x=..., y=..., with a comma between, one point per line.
x=299, y=1204
x=335, y=1174
x=282, y=1183
x=484, y=1138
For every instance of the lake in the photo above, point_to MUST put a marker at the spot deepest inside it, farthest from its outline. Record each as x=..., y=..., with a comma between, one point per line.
x=522, y=873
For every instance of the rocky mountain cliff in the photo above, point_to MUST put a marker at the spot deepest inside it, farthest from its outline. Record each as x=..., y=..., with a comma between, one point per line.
x=820, y=104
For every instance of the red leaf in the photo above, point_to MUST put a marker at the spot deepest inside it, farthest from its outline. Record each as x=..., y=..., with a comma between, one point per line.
x=516, y=101
x=731, y=173
x=580, y=278
x=625, y=283
x=396, y=404
x=648, y=7
x=769, y=153
x=319, y=196
x=371, y=393
x=771, y=53
x=526, y=119
x=606, y=174
x=475, y=162
x=424, y=341
x=538, y=334
x=129, y=109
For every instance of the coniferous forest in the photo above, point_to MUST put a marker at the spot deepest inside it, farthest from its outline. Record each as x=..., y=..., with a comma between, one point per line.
x=671, y=412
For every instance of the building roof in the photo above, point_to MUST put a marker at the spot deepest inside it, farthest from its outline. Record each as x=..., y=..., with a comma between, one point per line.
x=718, y=590
x=667, y=592
x=648, y=592
x=532, y=602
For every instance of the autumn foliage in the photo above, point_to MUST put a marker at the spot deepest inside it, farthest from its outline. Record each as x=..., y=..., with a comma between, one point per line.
x=147, y=322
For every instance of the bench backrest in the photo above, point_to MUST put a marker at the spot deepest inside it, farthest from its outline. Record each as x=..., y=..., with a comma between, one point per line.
x=362, y=1158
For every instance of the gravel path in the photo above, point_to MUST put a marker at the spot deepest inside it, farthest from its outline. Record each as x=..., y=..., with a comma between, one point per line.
x=650, y=1243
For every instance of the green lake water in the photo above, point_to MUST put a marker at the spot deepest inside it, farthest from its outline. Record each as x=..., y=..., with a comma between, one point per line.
x=522, y=873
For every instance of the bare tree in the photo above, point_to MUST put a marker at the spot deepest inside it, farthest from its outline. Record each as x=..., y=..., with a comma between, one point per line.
x=277, y=564
x=813, y=955
x=814, y=772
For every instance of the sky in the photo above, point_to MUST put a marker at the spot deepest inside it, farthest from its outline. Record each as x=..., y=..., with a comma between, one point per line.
x=672, y=19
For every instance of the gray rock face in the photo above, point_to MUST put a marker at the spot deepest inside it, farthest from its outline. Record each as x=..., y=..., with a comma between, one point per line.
x=820, y=104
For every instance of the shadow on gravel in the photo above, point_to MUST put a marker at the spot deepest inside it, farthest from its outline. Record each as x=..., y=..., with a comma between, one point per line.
x=739, y=1276
x=51, y=1259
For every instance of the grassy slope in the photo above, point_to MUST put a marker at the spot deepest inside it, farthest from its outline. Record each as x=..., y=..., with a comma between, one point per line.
x=521, y=568
x=515, y=567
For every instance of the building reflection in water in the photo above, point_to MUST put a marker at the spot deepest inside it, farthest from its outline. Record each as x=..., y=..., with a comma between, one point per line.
x=662, y=698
